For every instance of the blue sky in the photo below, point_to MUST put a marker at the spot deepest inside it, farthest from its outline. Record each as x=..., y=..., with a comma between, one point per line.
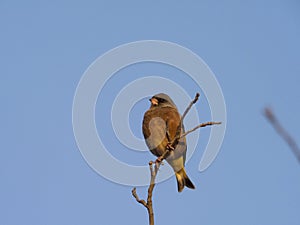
x=252, y=48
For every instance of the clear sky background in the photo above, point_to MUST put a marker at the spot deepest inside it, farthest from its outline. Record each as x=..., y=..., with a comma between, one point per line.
x=252, y=48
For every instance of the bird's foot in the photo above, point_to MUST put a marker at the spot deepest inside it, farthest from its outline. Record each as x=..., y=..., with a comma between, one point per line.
x=170, y=147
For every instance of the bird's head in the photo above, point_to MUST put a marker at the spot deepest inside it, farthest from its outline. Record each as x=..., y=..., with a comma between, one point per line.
x=161, y=100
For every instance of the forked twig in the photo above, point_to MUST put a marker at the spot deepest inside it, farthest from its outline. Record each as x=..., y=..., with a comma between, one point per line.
x=178, y=135
x=154, y=166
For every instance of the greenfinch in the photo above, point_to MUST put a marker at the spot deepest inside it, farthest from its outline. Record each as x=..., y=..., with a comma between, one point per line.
x=160, y=121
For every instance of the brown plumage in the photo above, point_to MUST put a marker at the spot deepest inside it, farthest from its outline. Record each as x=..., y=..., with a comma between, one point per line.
x=163, y=114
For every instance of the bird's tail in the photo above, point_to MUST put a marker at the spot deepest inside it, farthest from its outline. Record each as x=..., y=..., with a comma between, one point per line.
x=183, y=180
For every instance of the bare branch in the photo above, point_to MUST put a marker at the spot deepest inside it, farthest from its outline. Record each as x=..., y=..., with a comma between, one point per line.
x=190, y=106
x=199, y=126
x=148, y=205
x=137, y=198
x=282, y=132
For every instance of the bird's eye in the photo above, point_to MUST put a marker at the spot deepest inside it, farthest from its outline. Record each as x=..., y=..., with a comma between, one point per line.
x=161, y=100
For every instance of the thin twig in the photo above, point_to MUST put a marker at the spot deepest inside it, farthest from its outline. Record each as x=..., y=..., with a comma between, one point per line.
x=178, y=131
x=282, y=132
x=190, y=106
x=199, y=126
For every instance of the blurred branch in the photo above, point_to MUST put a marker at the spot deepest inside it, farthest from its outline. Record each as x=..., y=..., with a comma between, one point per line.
x=282, y=132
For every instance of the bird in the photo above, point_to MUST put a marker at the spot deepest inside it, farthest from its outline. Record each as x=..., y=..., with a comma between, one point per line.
x=159, y=126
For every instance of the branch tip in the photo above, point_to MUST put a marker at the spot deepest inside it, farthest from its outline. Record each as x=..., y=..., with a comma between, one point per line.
x=196, y=98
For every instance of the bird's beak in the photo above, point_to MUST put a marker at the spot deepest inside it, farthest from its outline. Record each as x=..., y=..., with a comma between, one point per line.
x=153, y=101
